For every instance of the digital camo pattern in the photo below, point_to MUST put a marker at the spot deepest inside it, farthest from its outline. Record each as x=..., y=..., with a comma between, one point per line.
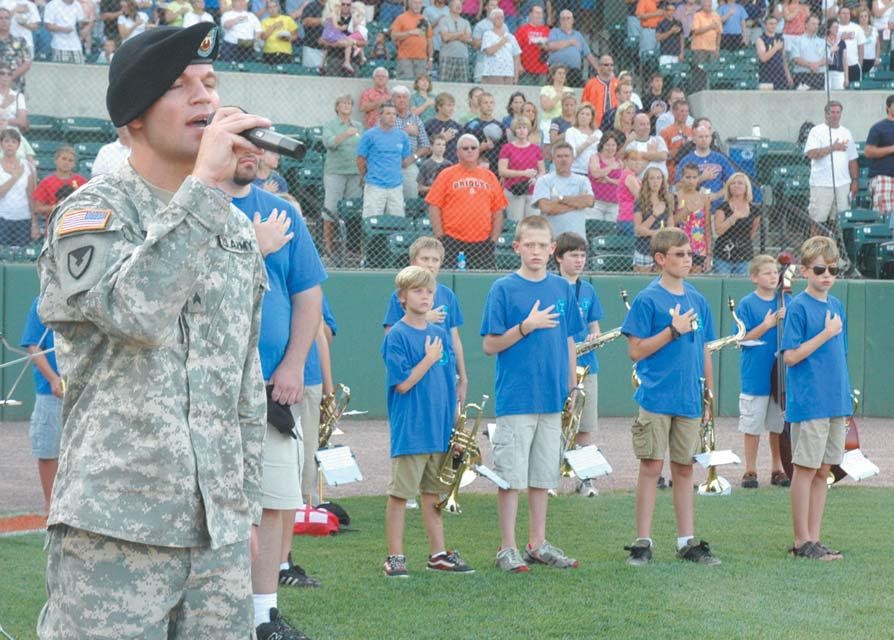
x=157, y=318
x=100, y=587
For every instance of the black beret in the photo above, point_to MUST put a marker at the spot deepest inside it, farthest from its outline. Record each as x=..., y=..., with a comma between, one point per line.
x=147, y=65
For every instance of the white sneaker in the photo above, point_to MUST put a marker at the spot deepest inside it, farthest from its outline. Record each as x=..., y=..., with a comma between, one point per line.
x=586, y=488
x=412, y=504
x=552, y=493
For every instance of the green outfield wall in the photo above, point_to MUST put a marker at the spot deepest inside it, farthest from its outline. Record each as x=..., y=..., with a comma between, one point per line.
x=358, y=300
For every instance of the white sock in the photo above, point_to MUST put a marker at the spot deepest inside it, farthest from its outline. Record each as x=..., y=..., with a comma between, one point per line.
x=263, y=603
x=649, y=540
x=435, y=555
x=283, y=566
x=682, y=540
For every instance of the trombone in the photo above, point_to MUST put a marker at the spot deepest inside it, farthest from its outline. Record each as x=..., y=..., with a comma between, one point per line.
x=714, y=484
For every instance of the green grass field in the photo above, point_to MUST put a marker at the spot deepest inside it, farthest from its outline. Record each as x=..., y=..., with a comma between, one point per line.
x=758, y=592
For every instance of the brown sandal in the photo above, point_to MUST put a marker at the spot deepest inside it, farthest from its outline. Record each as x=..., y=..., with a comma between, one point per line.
x=779, y=479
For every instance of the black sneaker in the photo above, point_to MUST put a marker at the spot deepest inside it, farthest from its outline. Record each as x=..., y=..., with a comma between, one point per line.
x=661, y=483
x=449, y=561
x=278, y=629
x=640, y=553
x=295, y=576
x=697, y=551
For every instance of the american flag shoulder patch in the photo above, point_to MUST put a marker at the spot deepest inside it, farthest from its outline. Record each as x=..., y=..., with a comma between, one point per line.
x=83, y=220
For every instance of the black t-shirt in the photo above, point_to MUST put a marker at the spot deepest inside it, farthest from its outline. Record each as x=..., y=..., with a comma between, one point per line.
x=434, y=126
x=110, y=27
x=670, y=46
x=735, y=245
x=312, y=35
x=488, y=130
x=881, y=135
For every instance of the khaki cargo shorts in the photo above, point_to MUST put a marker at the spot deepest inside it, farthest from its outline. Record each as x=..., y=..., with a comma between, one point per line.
x=655, y=433
x=528, y=450
x=818, y=442
x=416, y=473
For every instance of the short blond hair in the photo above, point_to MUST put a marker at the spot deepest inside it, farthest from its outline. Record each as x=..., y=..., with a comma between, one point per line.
x=425, y=242
x=749, y=194
x=759, y=262
x=816, y=247
x=413, y=277
x=666, y=238
x=532, y=223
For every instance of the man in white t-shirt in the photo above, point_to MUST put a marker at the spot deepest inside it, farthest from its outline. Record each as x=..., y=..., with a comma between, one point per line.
x=61, y=18
x=112, y=155
x=833, y=166
x=651, y=148
x=854, y=39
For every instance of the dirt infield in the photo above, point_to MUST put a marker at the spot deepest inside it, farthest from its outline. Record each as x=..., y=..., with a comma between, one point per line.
x=20, y=489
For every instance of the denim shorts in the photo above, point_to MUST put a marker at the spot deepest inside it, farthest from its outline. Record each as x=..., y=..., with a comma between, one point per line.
x=46, y=426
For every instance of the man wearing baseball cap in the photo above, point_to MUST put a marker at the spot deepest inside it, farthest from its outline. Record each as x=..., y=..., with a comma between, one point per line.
x=153, y=284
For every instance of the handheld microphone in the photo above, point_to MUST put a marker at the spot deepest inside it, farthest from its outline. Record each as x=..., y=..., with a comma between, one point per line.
x=269, y=140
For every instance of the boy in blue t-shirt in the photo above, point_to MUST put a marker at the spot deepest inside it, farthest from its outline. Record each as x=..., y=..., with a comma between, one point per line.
x=530, y=320
x=667, y=328
x=428, y=252
x=759, y=410
x=419, y=368
x=818, y=392
x=571, y=255
x=46, y=418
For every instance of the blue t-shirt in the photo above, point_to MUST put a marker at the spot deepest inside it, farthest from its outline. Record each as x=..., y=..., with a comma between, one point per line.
x=670, y=377
x=421, y=419
x=756, y=363
x=819, y=386
x=532, y=374
x=294, y=268
x=572, y=56
x=444, y=297
x=881, y=134
x=733, y=24
x=384, y=152
x=281, y=185
x=36, y=335
x=590, y=311
x=313, y=369
x=703, y=162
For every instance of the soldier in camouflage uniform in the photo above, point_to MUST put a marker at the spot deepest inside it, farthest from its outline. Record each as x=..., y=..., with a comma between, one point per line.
x=153, y=283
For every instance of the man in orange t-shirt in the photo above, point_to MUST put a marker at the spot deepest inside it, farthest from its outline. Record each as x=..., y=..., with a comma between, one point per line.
x=676, y=134
x=466, y=205
x=600, y=89
x=649, y=17
x=411, y=33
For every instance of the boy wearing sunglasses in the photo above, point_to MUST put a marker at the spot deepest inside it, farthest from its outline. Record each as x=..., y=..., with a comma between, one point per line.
x=818, y=400
x=667, y=328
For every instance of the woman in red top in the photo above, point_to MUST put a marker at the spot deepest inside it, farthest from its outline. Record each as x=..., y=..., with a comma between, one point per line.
x=519, y=166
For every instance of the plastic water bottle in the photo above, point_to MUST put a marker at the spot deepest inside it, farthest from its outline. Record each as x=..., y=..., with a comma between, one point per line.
x=461, y=261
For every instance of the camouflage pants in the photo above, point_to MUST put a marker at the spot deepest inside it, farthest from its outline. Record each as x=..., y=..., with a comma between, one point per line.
x=101, y=587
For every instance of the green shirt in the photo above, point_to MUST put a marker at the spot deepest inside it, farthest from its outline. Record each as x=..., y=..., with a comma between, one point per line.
x=341, y=159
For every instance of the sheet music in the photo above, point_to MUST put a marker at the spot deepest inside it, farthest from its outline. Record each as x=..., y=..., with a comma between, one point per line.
x=858, y=466
x=588, y=462
x=717, y=458
x=338, y=465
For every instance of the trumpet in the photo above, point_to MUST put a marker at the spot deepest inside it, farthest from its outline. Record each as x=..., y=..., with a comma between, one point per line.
x=736, y=338
x=572, y=411
x=634, y=379
x=462, y=456
x=332, y=406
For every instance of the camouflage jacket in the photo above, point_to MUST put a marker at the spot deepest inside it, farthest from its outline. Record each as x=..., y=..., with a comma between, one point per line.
x=156, y=310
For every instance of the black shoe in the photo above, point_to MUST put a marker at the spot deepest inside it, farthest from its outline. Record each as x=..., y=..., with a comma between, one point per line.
x=640, y=553
x=697, y=551
x=294, y=576
x=278, y=629
x=661, y=483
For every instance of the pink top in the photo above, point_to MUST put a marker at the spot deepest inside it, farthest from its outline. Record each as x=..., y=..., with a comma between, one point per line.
x=520, y=158
x=470, y=7
x=508, y=7
x=694, y=227
x=626, y=199
x=605, y=191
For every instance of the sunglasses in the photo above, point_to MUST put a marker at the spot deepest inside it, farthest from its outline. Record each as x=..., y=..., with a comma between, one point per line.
x=818, y=270
x=468, y=148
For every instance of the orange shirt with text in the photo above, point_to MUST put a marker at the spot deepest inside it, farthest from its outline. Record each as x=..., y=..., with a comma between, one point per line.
x=468, y=198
